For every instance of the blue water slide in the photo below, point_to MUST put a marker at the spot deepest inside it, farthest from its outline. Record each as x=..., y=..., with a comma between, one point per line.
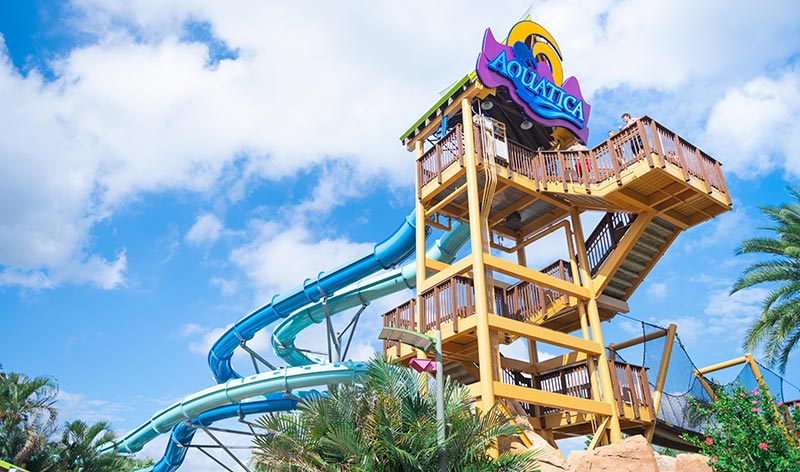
x=183, y=433
x=231, y=393
x=362, y=292
x=444, y=249
x=384, y=255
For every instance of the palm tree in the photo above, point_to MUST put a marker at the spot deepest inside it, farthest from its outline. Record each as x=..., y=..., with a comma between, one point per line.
x=386, y=424
x=27, y=415
x=778, y=328
x=78, y=446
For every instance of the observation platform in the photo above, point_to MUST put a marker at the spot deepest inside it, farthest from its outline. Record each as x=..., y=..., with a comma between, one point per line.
x=649, y=185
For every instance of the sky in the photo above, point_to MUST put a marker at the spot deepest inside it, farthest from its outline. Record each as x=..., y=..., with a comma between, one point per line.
x=168, y=166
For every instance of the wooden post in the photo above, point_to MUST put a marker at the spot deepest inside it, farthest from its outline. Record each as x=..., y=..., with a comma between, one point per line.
x=478, y=268
x=681, y=157
x=645, y=143
x=607, y=388
x=659, y=149
x=421, y=260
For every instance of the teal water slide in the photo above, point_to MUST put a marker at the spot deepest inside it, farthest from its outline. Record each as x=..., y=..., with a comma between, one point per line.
x=342, y=289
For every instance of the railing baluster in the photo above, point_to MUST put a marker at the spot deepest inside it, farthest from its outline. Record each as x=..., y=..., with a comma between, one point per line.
x=645, y=143
x=703, y=175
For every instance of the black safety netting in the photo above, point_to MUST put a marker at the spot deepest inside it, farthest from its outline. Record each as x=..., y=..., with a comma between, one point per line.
x=782, y=390
x=680, y=382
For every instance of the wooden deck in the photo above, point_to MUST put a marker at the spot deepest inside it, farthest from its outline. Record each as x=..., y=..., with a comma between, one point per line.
x=649, y=168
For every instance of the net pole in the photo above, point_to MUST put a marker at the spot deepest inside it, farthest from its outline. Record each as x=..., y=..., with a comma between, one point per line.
x=658, y=391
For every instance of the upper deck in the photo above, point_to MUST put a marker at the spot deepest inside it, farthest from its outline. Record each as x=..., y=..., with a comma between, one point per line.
x=644, y=167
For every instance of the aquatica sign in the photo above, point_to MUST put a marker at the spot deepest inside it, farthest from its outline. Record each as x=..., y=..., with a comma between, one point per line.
x=531, y=72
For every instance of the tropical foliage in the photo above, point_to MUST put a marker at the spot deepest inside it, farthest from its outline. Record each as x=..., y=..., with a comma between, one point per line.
x=742, y=433
x=386, y=424
x=31, y=438
x=27, y=416
x=778, y=328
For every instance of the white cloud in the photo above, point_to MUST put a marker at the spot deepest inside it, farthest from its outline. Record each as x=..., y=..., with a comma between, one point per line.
x=752, y=126
x=206, y=229
x=227, y=287
x=281, y=257
x=732, y=314
x=657, y=289
x=78, y=406
x=727, y=317
x=718, y=231
x=140, y=111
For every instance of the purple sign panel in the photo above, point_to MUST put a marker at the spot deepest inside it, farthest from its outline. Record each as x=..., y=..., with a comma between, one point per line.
x=531, y=86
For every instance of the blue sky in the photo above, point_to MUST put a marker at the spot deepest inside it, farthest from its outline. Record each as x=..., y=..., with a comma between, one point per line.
x=166, y=167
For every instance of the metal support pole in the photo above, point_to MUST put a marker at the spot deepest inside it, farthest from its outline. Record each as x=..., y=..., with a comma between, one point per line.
x=232, y=455
x=440, y=420
x=335, y=354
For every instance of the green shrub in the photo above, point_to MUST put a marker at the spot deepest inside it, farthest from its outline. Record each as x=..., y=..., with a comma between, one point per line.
x=741, y=433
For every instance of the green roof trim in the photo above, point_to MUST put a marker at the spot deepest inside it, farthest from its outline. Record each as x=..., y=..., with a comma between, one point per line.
x=438, y=104
x=7, y=466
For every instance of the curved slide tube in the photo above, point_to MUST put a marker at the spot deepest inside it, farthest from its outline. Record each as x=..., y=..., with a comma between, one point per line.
x=384, y=255
x=363, y=292
x=231, y=393
x=183, y=433
x=444, y=249
x=390, y=252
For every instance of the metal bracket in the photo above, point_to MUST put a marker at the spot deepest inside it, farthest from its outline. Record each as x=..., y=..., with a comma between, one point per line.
x=224, y=448
x=254, y=356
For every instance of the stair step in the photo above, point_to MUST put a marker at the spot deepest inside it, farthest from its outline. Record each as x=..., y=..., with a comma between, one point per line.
x=642, y=244
x=640, y=254
x=633, y=266
x=657, y=240
x=660, y=226
x=627, y=273
x=614, y=292
x=619, y=281
x=457, y=372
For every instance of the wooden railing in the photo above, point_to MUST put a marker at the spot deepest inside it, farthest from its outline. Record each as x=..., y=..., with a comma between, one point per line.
x=645, y=140
x=572, y=380
x=454, y=299
x=401, y=317
x=525, y=300
x=445, y=152
x=628, y=381
x=631, y=387
x=450, y=300
x=605, y=237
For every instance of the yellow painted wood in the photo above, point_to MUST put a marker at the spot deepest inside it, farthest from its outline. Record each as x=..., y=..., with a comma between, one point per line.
x=560, y=361
x=765, y=391
x=593, y=315
x=722, y=365
x=435, y=265
x=459, y=267
x=555, y=400
x=661, y=378
x=446, y=200
x=610, y=266
x=535, y=277
x=522, y=436
x=477, y=259
x=548, y=336
x=639, y=339
x=422, y=258
x=450, y=175
x=598, y=433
